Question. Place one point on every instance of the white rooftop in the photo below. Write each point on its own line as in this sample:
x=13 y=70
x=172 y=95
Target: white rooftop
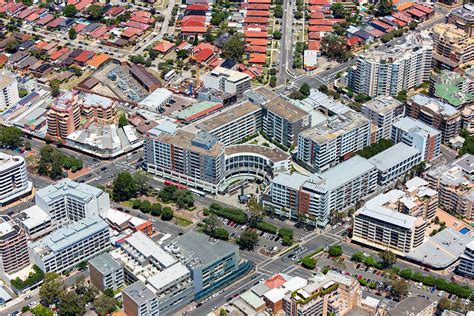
x=34 y=216
x=163 y=278
x=393 y=156
x=148 y=248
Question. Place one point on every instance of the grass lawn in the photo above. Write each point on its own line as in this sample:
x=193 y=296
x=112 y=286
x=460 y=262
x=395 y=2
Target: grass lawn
x=184 y=222
x=126 y=204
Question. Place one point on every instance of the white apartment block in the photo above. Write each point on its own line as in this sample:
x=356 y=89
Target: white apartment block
x=139 y=300
x=377 y=225
x=315 y=197
x=227 y=80
x=8 y=92
x=326 y=144
x=68 y=200
x=232 y=124
x=14 y=182
x=466 y=261
x=387 y=73
x=395 y=162
x=383 y=112
x=68 y=246
x=35 y=222
x=419 y=135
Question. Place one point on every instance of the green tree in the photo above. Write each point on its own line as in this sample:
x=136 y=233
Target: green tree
x=248 y=239
x=339 y=11
x=388 y=257
x=296 y=95
x=255 y=210
x=402 y=96
x=95 y=11
x=12 y=47
x=123 y=121
x=71 y=304
x=54 y=87
x=52 y=288
x=167 y=193
x=87 y=291
x=305 y=89
x=384 y=7
x=141 y=179
x=10 y=136
x=223 y=312
x=124 y=187
x=40 y=310
x=156 y=209
x=182 y=54
x=400 y=288
x=184 y=198
x=145 y=206
x=335 y=47
x=444 y=304
x=308 y=263
x=277 y=35
x=278 y=11
x=357 y=256
x=56 y=171
x=72 y=33
x=234 y=48
x=69 y=11
x=167 y=214
x=335 y=251
x=104 y=304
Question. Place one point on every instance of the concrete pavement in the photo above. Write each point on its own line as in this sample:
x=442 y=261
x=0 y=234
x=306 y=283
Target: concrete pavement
x=286 y=43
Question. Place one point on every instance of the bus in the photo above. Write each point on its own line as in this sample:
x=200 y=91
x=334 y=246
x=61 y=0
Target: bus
x=197 y=192
x=179 y=186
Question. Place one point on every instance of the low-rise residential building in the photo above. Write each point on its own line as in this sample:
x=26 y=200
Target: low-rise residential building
x=68 y=246
x=454 y=185
x=419 y=135
x=452 y=46
x=414 y=306
x=332 y=293
x=13 y=248
x=13 y=178
x=383 y=112
x=419 y=200
x=106 y=272
x=326 y=144
x=139 y=300
x=466 y=261
x=145 y=261
x=378 y=225
x=227 y=80
x=436 y=114
x=395 y=162
x=68 y=200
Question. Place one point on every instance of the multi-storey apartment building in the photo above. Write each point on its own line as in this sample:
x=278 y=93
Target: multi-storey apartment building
x=379 y=226
x=35 y=222
x=106 y=272
x=98 y=108
x=463 y=17
x=14 y=182
x=68 y=246
x=403 y=67
x=315 y=197
x=419 y=135
x=395 y=162
x=452 y=46
x=145 y=261
x=139 y=300
x=466 y=261
x=64 y=116
x=232 y=124
x=328 y=143
x=8 y=92
x=213 y=263
x=453 y=88
x=419 y=199
x=329 y=294
x=454 y=185
x=13 y=248
x=73 y=201
x=435 y=113
x=193 y=159
x=283 y=121
x=383 y=112
x=227 y=80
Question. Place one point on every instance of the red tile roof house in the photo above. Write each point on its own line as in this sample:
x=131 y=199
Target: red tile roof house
x=257 y=58
x=84 y=57
x=256 y=49
x=418 y=15
x=163 y=47
x=115 y=11
x=257 y=6
x=258 y=13
x=204 y=52
x=354 y=41
x=58 y=53
x=257 y=41
x=184 y=45
x=314 y=45
x=256 y=34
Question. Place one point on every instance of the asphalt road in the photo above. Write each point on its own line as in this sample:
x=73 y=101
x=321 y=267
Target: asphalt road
x=286 y=43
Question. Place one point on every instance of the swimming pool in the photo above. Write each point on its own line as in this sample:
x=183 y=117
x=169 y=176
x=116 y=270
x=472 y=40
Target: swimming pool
x=464 y=230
